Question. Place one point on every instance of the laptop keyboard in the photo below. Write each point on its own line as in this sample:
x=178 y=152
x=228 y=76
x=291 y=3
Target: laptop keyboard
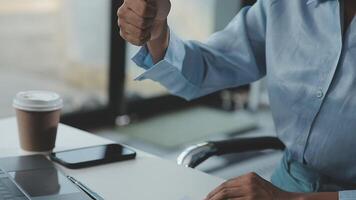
x=8 y=190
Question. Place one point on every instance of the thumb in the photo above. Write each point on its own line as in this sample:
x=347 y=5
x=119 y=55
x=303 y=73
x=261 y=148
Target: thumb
x=163 y=8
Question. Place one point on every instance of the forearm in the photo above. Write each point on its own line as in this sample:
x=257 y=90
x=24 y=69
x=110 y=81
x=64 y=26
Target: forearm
x=158 y=46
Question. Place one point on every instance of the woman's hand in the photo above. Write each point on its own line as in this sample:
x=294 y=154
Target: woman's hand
x=141 y=21
x=250 y=187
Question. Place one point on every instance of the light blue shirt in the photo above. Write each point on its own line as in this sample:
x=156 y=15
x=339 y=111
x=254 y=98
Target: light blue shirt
x=310 y=67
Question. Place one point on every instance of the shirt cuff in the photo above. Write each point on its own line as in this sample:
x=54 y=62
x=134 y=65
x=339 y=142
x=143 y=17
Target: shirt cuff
x=174 y=56
x=168 y=71
x=143 y=58
x=347 y=195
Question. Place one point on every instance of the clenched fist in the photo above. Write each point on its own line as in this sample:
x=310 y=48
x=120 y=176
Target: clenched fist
x=141 y=21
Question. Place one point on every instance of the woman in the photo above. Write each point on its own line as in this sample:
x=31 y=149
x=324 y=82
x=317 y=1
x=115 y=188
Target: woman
x=305 y=48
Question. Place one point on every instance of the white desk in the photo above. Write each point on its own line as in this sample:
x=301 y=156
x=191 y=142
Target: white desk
x=147 y=177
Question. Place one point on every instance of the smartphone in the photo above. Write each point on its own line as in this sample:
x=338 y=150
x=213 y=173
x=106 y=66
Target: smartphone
x=92 y=156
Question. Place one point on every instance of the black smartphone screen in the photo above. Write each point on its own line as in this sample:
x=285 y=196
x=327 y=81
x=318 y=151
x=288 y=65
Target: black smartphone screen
x=90 y=156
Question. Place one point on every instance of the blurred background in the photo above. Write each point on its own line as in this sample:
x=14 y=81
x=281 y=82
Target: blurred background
x=73 y=47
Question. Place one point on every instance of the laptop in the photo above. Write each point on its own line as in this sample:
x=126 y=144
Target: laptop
x=35 y=178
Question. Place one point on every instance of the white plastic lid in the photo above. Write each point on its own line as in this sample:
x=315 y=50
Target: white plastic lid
x=40 y=101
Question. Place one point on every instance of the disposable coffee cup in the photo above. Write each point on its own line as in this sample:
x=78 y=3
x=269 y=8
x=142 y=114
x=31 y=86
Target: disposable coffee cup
x=38 y=114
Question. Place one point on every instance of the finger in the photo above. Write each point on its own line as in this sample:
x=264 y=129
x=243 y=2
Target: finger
x=251 y=179
x=230 y=183
x=134 y=19
x=235 y=181
x=228 y=193
x=124 y=13
x=143 y=8
x=215 y=191
x=134 y=40
x=133 y=30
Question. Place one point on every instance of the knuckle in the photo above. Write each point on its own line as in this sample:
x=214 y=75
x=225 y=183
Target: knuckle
x=121 y=9
x=122 y=34
x=118 y=11
x=121 y=13
x=119 y=23
x=252 y=176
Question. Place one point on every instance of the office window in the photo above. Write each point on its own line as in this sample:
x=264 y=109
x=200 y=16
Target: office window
x=193 y=20
x=57 y=45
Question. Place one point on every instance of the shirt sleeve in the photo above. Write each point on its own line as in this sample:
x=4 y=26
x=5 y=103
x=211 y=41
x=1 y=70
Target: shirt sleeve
x=232 y=57
x=347 y=195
